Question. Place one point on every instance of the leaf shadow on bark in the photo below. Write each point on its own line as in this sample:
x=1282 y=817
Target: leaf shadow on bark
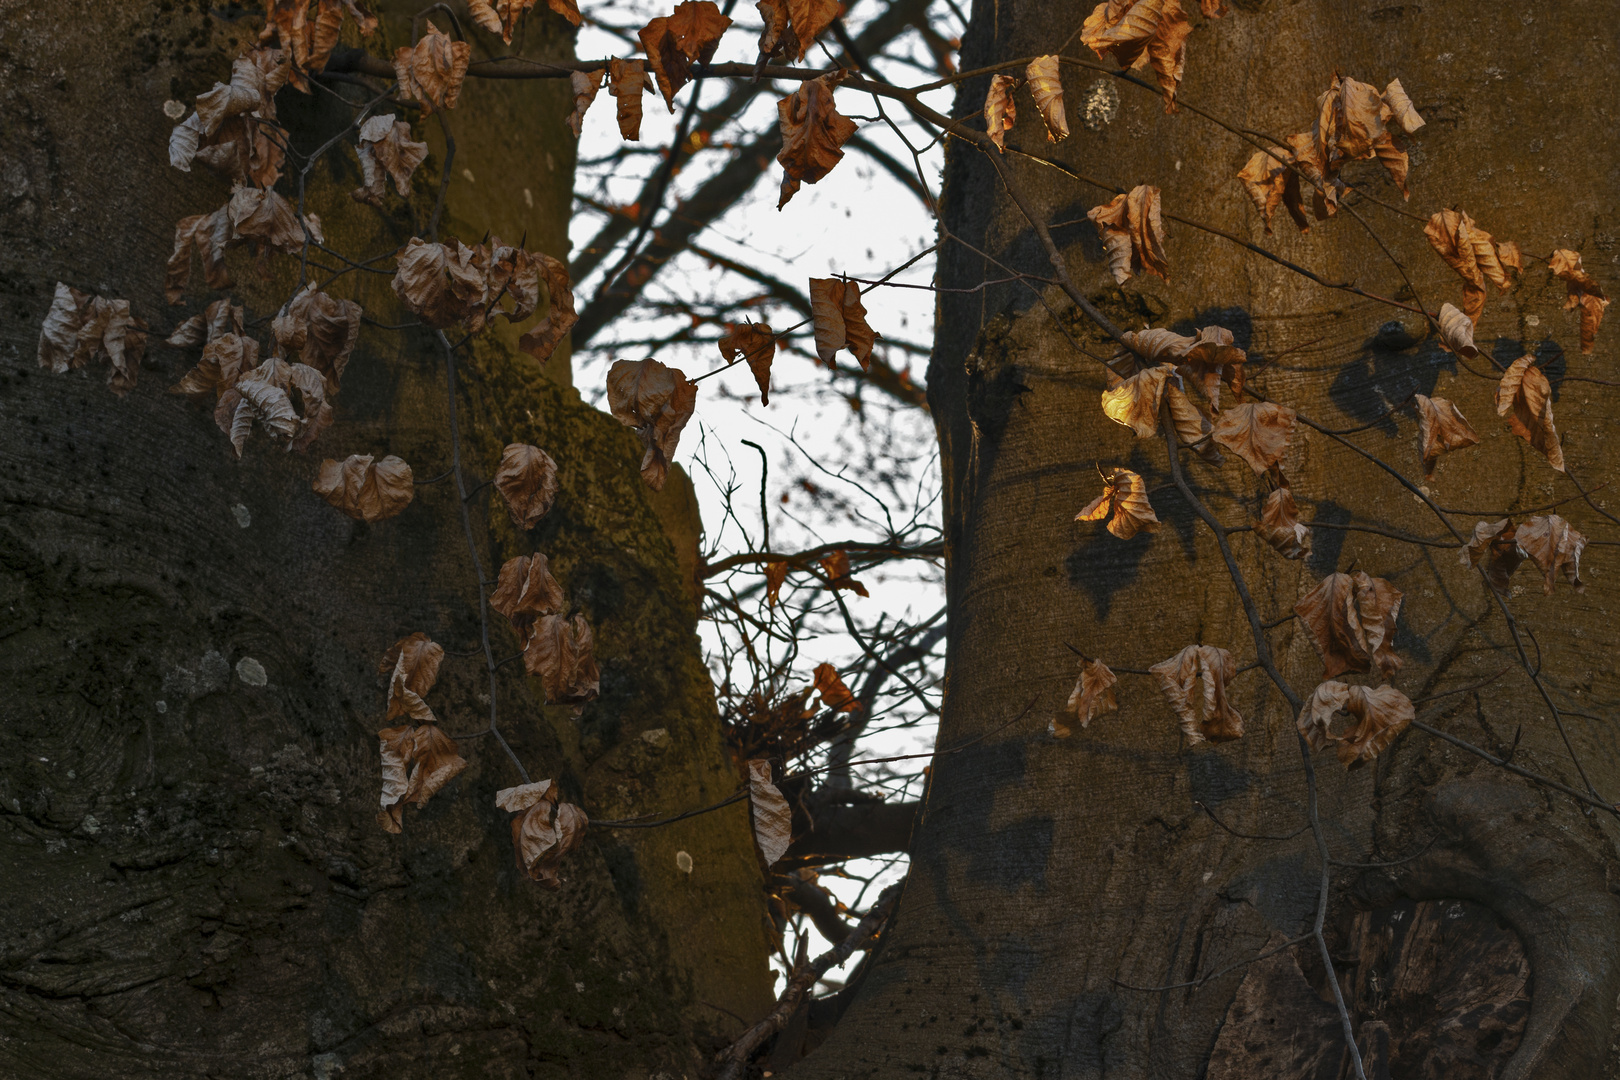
x=1393 y=365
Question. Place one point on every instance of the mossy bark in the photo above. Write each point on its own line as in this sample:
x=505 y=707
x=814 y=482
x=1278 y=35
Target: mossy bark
x=193 y=881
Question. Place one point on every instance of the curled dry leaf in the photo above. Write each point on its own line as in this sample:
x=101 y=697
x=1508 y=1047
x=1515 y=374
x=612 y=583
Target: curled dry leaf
x=452 y=283
x=527 y=480
x=836 y=566
x=1441 y=428
x=656 y=401
x=1280 y=526
x=81 y=327
x=1352 y=124
x=754 y=343
x=1493 y=548
x=321 y=330
x=386 y=153
x=840 y=322
x=1047 y=90
x=432 y=72
x=432 y=759
x=1257 y=432
x=585 y=85
x=1524 y=397
x=792 y=26
x=1125 y=496
x=233 y=129
x=1205 y=715
x=1132 y=234
x=1270 y=182
x=1584 y=293
x=541 y=340
x=412 y=666
x=772 y=817
x=1351 y=619
x=1555 y=547
x=218 y=318
x=287 y=400
x=777 y=36
x=366 y=489
x=544 y=831
x=225 y=360
x=776 y=573
x=813 y=134
x=1380 y=714
x=308 y=36
x=525 y=591
x=1203 y=361
x=674 y=42
x=562 y=652
x=501 y=16
x=1134 y=402
x=1093 y=695
x=1470 y=251
x=1000 y=113
x=206 y=235
x=834 y=694
x=627 y=81
x=1457 y=332
x=262 y=216
x=1401 y=109
x=1138 y=33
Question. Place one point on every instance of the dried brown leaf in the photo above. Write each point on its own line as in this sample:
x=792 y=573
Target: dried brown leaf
x=656 y=402
x=1400 y=108
x=81 y=327
x=1257 y=432
x=265 y=217
x=754 y=343
x=676 y=41
x=1000 y=113
x=397 y=745
x=224 y=361
x=1351 y=619
x=1471 y=252
x=1493 y=548
x=1280 y=526
x=1046 y=88
x=1125 y=496
x=386 y=153
x=208 y=235
x=839 y=319
x=1270 y=182
x=772 y=817
x=542 y=339
x=809 y=18
x=1555 y=547
x=365 y=489
x=1380 y=714
x=775 y=574
x=1457 y=332
x=1138 y=33
x=525 y=590
x=219 y=318
x=1092 y=696
x=412 y=666
x=834 y=694
x=502 y=16
x=321 y=329
x=432 y=760
x=527 y=480
x=1205 y=715
x=1134 y=402
x=1132 y=233
x=627 y=81
x=835 y=565
x=543 y=831
x=813 y=134
x=1441 y=428
x=1584 y=293
x=432 y=72
x=562 y=652
x=1524 y=397
x=585 y=85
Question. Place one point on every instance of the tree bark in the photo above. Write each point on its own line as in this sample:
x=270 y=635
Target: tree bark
x=1054 y=883
x=193 y=881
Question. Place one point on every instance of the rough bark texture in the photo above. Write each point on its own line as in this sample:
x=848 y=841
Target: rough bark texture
x=192 y=878
x=1047 y=875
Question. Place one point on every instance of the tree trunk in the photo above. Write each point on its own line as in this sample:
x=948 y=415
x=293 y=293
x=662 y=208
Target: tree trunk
x=1054 y=883
x=193 y=881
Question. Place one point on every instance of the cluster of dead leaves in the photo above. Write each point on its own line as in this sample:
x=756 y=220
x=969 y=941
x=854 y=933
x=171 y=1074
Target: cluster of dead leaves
x=233 y=129
x=1140 y=33
x=81 y=327
x=417 y=759
x=1499 y=547
x=559 y=649
x=431 y=71
x=452 y=283
x=544 y=829
x=1354 y=122
x=1001 y=111
x=1476 y=257
x=792 y=26
x=387 y=152
x=656 y=402
x=308 y=30
x=365 y=488
x=1132 y=233
x=1380 y=713
x=501 y=16
x=1351 y=621
x=253 y=214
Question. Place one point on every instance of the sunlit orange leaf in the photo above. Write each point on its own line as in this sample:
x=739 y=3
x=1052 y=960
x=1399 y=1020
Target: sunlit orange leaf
x=1000 y=113
x=527 y=480
x=1351 y=619
x=776 y=573
x=287 y=400
x=772 y=817
x=1470 y=251
x=585 y=85
x=366 y=489
x=1584 y=293
x=1093 y=695
x=840 y=320
x=1555 y=547
x=1134 y=402
x=1495 y=549
x=432 y=759
x=542 y=339
x=834 y=694
x=1125 y=496
x=412 y=666
x=754 y=343
x=562 y=652
x=1047 y=89
x=1257 y=432
x=225 y=360
x=674 y=42
x=813 y=133
x=1400 y=109
x=1213 y=9
x=1380 y=714
x=321 y=330
x=386 y=152
x=1270 y=182
x=1205 y=712
x=543 y=831
x=1524 y=397
x=1457 y=332
x=526 y=590
x=656 y=401
x=1132 y=233
x=206 y=235
x=433 y=71
x=265 y=217
x=81 y=327
x=1280 y=526
x=1137 y=33
x=627 y=81
x=1352 y=125
x=836 y=566
x=1441 y=428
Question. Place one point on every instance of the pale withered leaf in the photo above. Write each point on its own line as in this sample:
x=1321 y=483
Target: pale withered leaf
x=754 y=343
x=1471 y=252
x=813 y=134
x=541 y=340
x=675 y=42
x=543 y=832
x=1000 y=113
x=265 y=217
x=397 y=746
x=656 y=402
x=526 y=590
x=1441 y=428
x=839 y=319
x=585 y=85
x=1205 y=712
x=1584 y=293
x=81 y=327
x=1132 y=233
x=322 y=330
x=1493 y=548
x=387 y=152
x=208 y=235
x=527 y=480
x=287 y=400
x=442 y=283
x=1524 y=397
x=219 y=318
x=627 y=81
x=1280 y=525
x=433 y=71
x=432 y=759
x=1400 y=108
x=1046 y=88
x=366 y=489
x=772 y=817
x=562 y=652
x=1093 y=695
x=1137 y=33
x=834 y=694
x=412 y=666
x=1134 y=402
x=1257 y=432
x=835 y=565
x=1555 y=547
x=1457 y=332
x=224 y=361
x=1315 y=720
x=1125 y=496
x=1351 y=619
